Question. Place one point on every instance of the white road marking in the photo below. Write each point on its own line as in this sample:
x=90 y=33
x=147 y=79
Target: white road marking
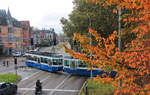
x=30 y=76
x=60 y=84
x=34 y=85
x=61 y=90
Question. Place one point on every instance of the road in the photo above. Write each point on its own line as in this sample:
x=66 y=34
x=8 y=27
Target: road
x=59 y=83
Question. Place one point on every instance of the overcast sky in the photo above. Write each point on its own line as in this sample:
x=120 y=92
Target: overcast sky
x=40 y=13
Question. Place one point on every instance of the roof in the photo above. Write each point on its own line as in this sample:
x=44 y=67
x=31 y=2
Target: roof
x=9 y=14
x=2 y=13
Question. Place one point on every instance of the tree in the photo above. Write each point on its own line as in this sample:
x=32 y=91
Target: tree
x=133 y=64
x=100 y=18
x=86 y=15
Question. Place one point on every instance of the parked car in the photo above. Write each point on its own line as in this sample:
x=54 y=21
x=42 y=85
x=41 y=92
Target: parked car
x=7 y=88
x=16 y=54
x=36 y=49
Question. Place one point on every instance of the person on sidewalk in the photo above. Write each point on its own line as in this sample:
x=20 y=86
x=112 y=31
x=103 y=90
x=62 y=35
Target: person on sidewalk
x=7 y=63
x=4 y=63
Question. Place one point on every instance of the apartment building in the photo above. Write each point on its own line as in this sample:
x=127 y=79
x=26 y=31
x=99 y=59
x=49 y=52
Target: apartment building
x=13 y=33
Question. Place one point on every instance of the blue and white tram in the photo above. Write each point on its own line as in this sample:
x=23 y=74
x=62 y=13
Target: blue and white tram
x=47 y=63
x=75 y=66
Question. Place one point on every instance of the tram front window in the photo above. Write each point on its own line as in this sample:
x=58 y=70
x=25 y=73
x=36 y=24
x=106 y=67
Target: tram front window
x=29 y=57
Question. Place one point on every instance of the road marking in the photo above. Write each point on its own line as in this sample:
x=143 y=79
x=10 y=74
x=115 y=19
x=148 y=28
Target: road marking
x=34 y=85
x=60 y=84
x=61 y=90
x=30 y=76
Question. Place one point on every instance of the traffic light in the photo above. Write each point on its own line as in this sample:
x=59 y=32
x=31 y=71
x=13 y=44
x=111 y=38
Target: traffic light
x=15 y=61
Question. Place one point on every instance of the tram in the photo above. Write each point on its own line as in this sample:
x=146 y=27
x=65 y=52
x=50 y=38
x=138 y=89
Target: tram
x=53 y=63
x=75 y=66
x=44 y=62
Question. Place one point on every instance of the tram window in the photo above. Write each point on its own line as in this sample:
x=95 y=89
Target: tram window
x=42 y=59
x=35 y=58
x=66 y=62
x=55 y=62
x=28 y=57
x=45 y=60
x=60 y=62
x=82 y=64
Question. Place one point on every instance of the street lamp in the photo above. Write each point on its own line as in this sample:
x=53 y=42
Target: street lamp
x=119 y=30
x=119 y=37
x=90 y=24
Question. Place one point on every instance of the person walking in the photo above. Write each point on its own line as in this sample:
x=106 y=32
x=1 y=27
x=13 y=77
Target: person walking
x=7 y=63
x=4 y=63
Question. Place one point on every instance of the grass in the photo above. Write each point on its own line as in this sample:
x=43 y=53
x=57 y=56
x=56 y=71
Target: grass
x=96 y=88
x=12 y=78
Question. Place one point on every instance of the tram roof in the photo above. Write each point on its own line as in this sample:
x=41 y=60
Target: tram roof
x=45 y=54
x=70 y=58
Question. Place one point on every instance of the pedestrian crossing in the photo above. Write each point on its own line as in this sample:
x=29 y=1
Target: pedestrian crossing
x=59 y=90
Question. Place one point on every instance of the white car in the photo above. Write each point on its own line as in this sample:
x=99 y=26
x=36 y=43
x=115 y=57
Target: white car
x=16 y=54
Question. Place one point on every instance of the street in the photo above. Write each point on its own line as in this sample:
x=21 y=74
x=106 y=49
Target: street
x=59 y=83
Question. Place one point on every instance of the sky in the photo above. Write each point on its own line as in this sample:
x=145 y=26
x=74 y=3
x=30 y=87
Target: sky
x=40 y=13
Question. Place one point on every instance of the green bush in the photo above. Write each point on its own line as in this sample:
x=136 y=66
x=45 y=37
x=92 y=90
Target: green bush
x=46 y=43
x=12 y=78
x=96 y=88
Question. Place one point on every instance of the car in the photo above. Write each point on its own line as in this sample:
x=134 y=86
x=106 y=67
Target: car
x=36 y=49
x=7 y=88
x=16 y=54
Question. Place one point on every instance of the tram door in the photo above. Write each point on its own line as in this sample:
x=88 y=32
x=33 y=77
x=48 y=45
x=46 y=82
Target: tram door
x=50 y=62
x=72 y=64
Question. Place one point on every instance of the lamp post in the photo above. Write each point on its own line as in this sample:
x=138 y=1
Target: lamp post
x=91 y=74
x=119 y=30
x=119 y=37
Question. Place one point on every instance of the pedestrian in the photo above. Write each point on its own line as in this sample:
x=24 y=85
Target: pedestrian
x=38 y=88
x=7 y=63
x=4 y=63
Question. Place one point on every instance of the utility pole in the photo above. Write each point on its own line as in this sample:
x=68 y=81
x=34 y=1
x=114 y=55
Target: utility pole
x=119 y=30
x=91 y=75
x=119 y=36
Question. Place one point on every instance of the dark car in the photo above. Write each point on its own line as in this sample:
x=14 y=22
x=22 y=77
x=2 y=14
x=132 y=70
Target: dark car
x=7 y=88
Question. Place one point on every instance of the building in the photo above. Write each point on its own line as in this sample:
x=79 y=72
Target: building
x=12 y=33
x=26 y=34
x=45 y=34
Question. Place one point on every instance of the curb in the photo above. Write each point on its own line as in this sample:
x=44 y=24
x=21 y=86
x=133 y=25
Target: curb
x=83 y=87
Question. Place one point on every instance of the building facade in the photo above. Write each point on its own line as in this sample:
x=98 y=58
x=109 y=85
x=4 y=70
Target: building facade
x=44 y=34
x=13 y=33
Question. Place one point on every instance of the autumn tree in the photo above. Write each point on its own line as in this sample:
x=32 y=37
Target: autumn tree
x=133 y=64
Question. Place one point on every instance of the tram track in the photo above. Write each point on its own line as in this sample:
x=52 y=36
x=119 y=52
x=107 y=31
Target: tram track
x=52 y=84
x=59 y=84
x=48 y=80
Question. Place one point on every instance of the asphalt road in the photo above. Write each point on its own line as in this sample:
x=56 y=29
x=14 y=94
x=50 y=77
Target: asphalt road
x=59 y=83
